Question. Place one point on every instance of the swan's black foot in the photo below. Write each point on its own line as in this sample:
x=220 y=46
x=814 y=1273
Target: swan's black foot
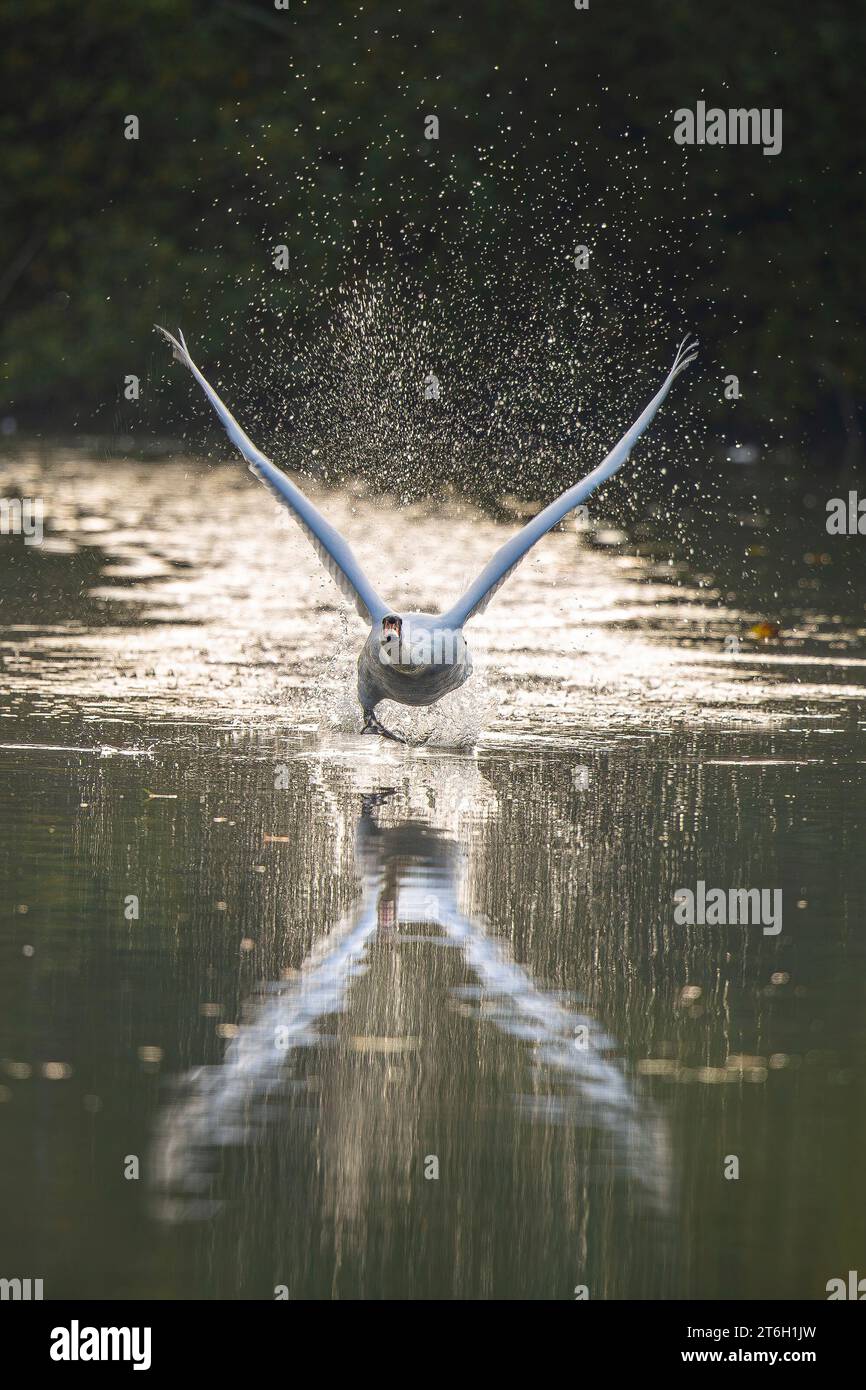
x=372 y=726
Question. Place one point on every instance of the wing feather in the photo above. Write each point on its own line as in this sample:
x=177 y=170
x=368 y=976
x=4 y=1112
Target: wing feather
x=332 y=550
x=508 y=557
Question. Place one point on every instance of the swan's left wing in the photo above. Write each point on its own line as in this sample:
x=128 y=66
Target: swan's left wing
x=506 y=559
x=332 y=550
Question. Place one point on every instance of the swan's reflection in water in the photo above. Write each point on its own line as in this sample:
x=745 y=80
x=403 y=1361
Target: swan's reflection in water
x=406 y=1007
x=410 y=877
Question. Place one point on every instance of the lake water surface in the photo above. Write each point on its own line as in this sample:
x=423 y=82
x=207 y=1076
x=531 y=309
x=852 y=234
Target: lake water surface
x=379 y=1021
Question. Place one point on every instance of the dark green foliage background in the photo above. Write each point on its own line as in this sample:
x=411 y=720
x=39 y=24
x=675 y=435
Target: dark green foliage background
x=305 y=126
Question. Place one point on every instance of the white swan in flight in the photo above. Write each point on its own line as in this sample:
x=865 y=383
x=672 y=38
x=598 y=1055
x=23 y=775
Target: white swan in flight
x=416 y=658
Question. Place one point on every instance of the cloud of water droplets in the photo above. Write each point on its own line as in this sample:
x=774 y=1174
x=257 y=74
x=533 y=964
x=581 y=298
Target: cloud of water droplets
x=467 y=345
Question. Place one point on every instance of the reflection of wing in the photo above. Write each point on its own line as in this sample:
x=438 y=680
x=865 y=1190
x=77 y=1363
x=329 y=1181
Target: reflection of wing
x=494 y=575
x=222 y=1103
x=329 y=545
x=573 y=1045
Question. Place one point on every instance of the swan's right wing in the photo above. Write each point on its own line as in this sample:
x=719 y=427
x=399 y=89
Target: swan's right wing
x=508 y=557
x=332 y=550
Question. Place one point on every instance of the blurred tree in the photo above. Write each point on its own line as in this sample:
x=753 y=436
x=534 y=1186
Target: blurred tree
x=304 y=127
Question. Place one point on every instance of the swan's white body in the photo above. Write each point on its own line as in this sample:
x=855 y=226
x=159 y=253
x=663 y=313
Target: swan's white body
x=416 y=658
x=431 y=659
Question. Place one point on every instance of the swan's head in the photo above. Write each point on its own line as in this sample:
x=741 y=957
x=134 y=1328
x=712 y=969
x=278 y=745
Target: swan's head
x=391 y=643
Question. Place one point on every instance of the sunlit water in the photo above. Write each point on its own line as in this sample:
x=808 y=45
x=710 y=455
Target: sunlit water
x=288 y=974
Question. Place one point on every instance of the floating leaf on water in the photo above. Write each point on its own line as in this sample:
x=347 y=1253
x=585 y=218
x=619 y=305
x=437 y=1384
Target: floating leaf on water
x=763 y=631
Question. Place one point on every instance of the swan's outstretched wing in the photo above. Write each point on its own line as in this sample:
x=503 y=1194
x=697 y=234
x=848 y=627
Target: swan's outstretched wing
x=506 y=559
x=332 y=550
